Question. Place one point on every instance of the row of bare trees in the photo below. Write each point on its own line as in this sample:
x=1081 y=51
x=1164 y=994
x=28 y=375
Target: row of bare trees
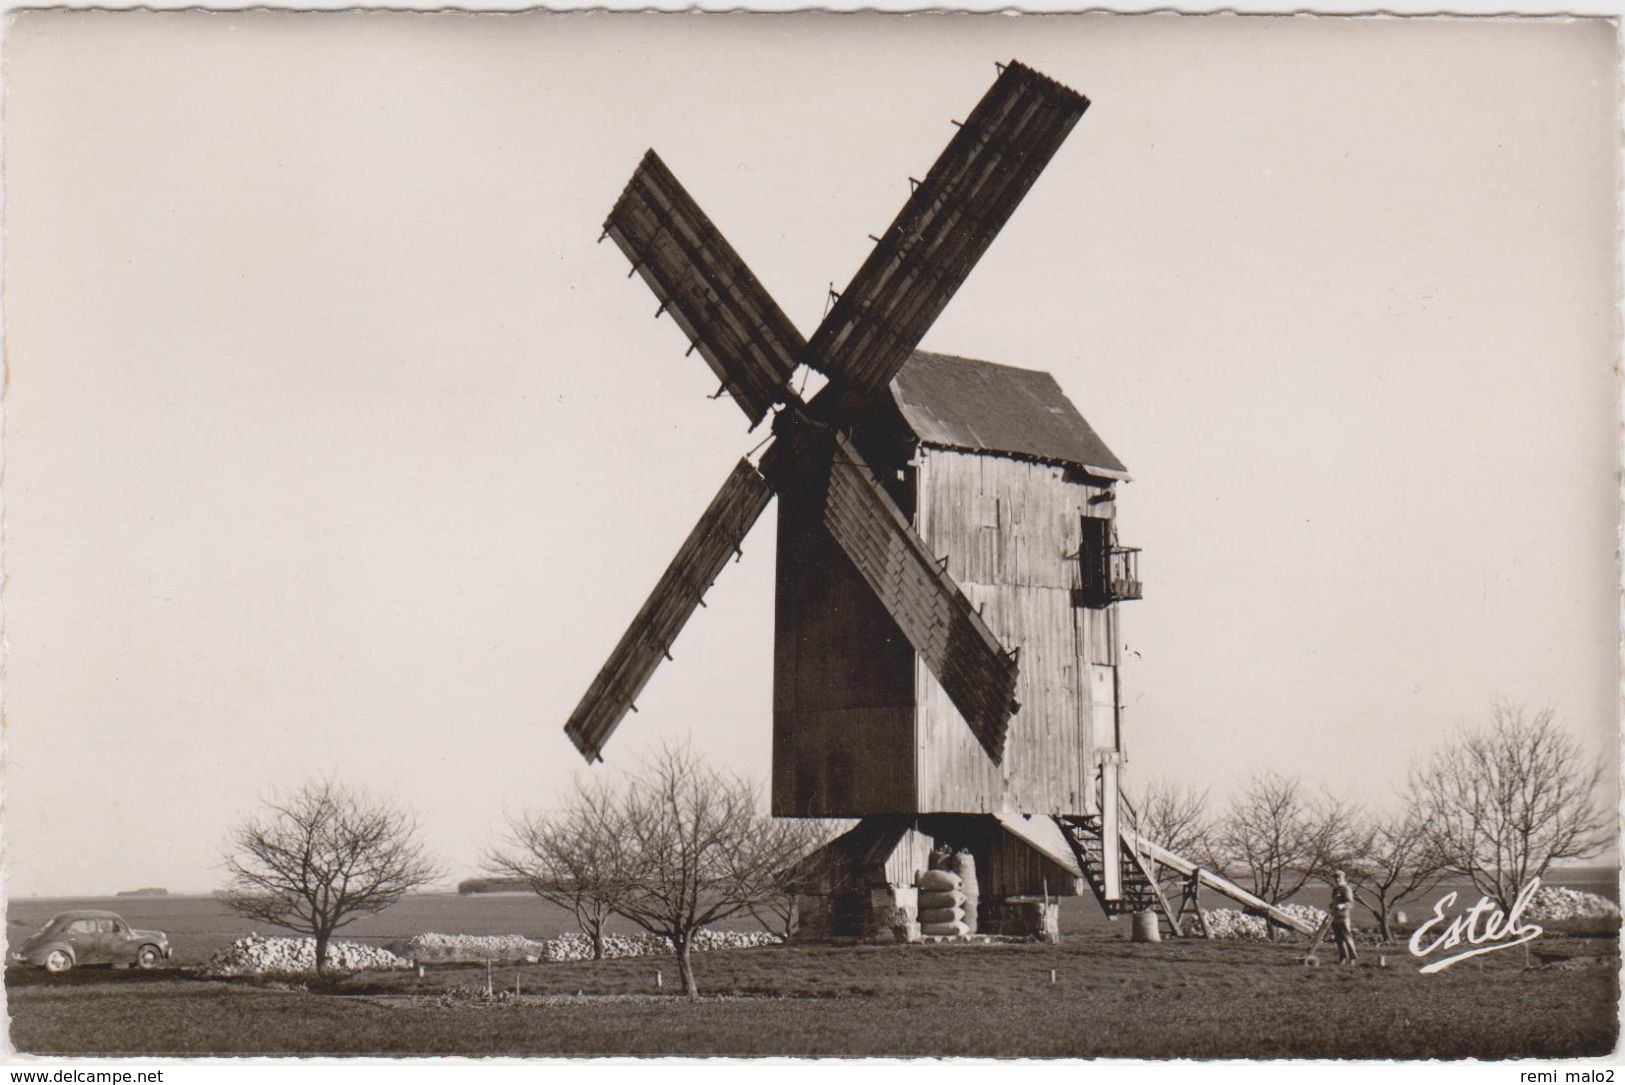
x=681 y=845
x=673 y=849
x=1497 y=806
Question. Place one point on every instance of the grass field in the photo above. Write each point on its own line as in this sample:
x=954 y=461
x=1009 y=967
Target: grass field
x=1109 y=998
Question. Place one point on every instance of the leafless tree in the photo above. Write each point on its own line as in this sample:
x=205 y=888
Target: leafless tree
x=1394 y=859
x=1174 y=815
x=569 y=857
x=796 y=839
x=694 y=848
x=1273 y=838
x=321 y=857
x=1506 y=800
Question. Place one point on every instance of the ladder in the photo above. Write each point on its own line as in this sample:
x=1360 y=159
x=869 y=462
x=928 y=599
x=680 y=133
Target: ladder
x=1138 y=860
x=1138 y=888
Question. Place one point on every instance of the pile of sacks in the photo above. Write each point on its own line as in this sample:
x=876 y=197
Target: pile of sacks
x=256 y=955
x=945 y=907
x=573 y=946
x=1234 y=925
x=1552 y=902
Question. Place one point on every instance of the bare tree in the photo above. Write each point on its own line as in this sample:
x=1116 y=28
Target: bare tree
x=1395 y=859
x=570 y=858
x=1172 y=814
x=796 y=839
x=1273 y=838
x=694 y=848
x=1508 y=799
x=322 y=857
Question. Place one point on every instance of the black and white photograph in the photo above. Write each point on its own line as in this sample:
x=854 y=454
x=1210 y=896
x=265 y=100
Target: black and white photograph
x=777 y=536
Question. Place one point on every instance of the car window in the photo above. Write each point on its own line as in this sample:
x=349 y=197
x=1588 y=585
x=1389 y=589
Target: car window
x=106 y=926
x=82 y=926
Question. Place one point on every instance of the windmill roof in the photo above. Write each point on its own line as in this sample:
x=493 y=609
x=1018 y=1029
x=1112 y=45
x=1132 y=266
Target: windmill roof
x=979 y=406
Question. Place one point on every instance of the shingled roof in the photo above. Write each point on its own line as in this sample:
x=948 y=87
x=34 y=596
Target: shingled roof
x=983 y=407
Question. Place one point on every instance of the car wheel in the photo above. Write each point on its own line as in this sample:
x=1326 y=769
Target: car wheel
x=58 y=960
x=148 y=957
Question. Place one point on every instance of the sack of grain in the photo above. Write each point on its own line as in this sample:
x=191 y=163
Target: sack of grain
x=942 y=898
x=958 y=930
x=937 y=880
x=964 y=864
x=941 y=915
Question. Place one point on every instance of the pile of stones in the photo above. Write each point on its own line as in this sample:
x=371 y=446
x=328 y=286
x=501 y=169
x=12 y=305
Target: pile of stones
x=1234 y=925
x=573 y=946
x=1552 y=902
x=257 y=955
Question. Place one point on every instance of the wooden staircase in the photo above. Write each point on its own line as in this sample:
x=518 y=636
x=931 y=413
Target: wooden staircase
x=1138 y=889
x=1138 y=860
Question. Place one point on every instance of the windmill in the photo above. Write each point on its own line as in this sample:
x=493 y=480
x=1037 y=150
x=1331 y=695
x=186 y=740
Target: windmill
x=948 y=575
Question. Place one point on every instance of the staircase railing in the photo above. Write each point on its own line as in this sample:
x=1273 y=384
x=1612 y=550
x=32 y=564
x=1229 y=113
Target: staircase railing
x=1219 y=884
x=1143 y=855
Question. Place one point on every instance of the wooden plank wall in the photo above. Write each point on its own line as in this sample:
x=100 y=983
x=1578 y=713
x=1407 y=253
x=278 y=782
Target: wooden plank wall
x=1016 y=869
x=843 y=683
x=910 y=859
x=1010 y=530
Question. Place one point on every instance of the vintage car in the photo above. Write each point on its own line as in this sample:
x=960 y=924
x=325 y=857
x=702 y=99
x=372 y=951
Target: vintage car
x=91 y=937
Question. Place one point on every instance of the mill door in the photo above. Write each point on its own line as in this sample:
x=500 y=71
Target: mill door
x=1102 y=707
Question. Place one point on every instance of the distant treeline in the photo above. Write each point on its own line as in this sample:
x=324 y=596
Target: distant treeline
x=492 y=885
x=147 y=891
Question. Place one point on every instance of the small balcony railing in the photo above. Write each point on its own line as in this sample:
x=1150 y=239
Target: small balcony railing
x=1107 y=573
x=1123 y=573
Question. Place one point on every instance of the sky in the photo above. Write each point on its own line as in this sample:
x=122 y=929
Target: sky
x=335 y=444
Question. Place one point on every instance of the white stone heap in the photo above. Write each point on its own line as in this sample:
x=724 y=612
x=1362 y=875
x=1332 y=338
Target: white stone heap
x=1234 y=925
x=1553 y=902
x=257 y=955
x=570 y=947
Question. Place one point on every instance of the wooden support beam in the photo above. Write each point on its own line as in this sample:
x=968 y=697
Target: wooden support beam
x=1148 y=871
x=1214 y=881
x=1194 y=888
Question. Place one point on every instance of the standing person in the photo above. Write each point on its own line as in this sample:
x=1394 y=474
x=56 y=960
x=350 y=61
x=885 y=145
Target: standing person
x=1342 y=920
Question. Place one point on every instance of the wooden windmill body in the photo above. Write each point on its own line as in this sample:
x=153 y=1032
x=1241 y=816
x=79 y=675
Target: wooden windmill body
x=1002 y=479
x=946 y=644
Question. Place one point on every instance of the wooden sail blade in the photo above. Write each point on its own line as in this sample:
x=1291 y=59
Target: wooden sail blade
x=648 y=640
x=701 y=281
x=932 y=612
x=947 y=224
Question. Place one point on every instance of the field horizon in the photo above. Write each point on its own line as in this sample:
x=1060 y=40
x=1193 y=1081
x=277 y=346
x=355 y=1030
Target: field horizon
x=199 y=925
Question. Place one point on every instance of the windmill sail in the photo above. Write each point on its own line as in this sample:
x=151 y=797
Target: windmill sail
x=648 y=640
x=726 y=313
x=944 y=228
x=928 y=607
